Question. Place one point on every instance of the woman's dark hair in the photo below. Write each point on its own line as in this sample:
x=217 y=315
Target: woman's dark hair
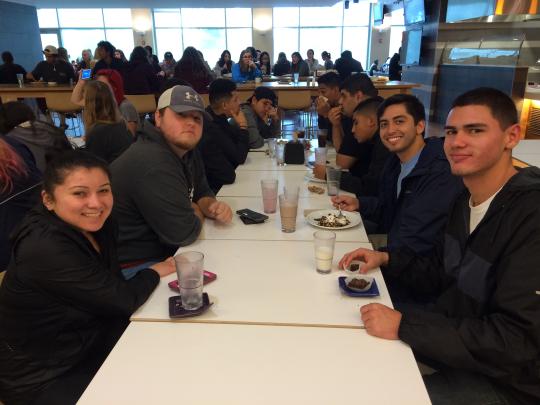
x=282 y=57
x=122 y=55
x=190 y=64
x=267 y=64
x=325 y=54
x=62 y=164
x=108 y=47
x=253 y=52
x=139 y=55
x=297 y=54
x=221 y=61
x=14 y=113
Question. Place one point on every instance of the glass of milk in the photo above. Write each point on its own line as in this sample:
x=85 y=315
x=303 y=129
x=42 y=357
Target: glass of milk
x=324 y=250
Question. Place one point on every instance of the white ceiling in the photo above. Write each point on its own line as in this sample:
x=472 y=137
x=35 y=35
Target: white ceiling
x=174 y=3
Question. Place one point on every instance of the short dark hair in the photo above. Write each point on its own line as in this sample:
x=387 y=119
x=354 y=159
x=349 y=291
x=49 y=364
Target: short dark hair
x=414 y=107
x=220 y=90
x=330 y=79
x=61 y=164
x=107 y=46
x=369 y=106
x=359 y=82
x=14 y=113
x=7 y=57
x=500 y=105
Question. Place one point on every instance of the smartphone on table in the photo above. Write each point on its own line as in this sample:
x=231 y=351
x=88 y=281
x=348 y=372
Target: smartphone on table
x=208 y=277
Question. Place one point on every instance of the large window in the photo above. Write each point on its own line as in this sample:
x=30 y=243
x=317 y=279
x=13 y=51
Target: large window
x=211 y=30
x=76 y=34
x=332 y=29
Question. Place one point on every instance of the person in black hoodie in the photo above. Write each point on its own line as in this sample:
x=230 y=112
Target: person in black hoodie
x=63 y=302
x=482 y=335
x=223 y=146
x=139 y=75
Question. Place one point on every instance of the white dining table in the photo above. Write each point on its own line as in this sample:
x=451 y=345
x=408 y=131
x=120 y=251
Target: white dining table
x=192 y=364
x=271 y=228
x=261 y=282
x=277 y=332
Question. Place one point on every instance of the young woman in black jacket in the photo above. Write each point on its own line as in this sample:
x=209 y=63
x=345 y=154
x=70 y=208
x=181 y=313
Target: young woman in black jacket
x=63 y=302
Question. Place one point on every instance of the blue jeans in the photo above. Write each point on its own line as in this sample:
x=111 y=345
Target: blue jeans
x=458 y=387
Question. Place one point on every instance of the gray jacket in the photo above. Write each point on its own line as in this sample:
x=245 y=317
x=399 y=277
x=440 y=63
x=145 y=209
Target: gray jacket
x=257 y=128
x=153 y=190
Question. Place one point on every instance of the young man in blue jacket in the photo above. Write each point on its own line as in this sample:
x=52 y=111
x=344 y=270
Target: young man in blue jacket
x=416 y=188
x=482 y=334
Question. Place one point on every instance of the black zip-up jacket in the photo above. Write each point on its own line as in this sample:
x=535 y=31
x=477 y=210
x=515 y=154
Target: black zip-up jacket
x=414 y=218
x=223 y=147
x=58 y=301
x=487 y=315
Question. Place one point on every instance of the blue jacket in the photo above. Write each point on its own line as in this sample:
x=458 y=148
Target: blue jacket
x=416 y=216
x=238 y=76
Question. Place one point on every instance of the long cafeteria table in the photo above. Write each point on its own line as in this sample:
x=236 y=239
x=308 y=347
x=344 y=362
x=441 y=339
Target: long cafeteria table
x=168 y=363
x=277 y=332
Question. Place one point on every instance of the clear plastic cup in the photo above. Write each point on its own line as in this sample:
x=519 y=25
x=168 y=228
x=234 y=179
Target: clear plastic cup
x=189 y=268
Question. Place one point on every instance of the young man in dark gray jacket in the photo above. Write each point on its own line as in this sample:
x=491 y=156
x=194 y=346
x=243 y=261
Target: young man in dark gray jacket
x=159 y=184
x=482 y=334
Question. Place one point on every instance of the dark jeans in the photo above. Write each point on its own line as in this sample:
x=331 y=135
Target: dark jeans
x=457 y=387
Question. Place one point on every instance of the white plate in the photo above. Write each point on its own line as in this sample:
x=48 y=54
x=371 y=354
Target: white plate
x=310 y=177
x=352 y=216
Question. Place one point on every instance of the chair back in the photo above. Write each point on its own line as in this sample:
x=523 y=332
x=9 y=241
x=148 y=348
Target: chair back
x=295 y=100
x=143 y=103
x=61 y=103
x=205 y=99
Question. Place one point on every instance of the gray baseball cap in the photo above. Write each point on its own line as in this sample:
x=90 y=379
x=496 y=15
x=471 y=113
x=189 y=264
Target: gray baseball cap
x=181 y=99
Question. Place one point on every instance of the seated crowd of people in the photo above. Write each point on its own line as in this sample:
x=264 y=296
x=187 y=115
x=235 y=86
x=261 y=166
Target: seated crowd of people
x=87 y=232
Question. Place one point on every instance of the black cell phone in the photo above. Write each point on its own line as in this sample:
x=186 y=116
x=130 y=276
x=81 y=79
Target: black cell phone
x=86 y=74
x=251 y=217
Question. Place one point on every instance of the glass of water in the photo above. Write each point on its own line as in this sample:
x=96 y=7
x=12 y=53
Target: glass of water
x=189 y=268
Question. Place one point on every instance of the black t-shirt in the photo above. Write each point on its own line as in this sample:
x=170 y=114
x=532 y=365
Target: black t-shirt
x=116 y=64
x=9 y=71
x=351 y=147
x=59 y=72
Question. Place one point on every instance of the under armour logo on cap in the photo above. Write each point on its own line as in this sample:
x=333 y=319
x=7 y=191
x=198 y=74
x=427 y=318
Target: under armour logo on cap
x=190 y=96
x=181 y=99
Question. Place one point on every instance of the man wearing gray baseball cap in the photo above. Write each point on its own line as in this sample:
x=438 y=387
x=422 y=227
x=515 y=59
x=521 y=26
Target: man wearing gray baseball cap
x=160 y=188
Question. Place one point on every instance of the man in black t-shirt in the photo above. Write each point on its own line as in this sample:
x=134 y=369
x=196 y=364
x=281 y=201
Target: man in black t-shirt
x=10 y=70
x=351 y=155
x=105 y=53
x=52 y=69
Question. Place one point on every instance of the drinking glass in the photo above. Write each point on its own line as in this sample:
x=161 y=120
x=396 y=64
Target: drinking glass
x=324 y=242
x=189 y=268
x=269 y=189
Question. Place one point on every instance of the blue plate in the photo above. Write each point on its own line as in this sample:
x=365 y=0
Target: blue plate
x=372 y=292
